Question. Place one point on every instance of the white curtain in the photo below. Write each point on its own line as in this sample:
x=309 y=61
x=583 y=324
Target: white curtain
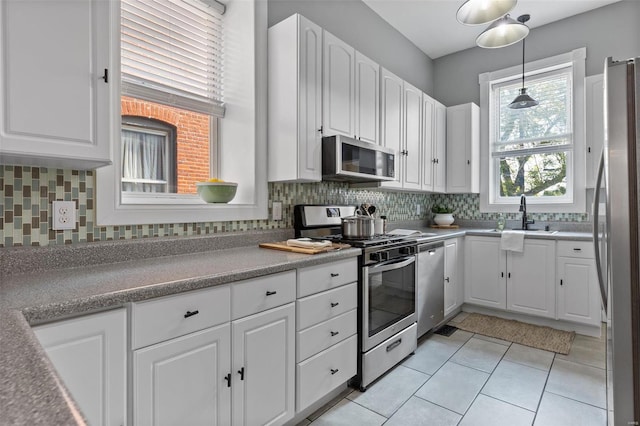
x=143 y=159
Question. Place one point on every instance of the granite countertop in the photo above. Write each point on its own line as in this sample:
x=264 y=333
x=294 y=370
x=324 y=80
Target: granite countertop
x=30 y=390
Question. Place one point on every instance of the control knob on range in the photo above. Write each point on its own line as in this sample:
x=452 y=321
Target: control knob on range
x=379 y=256
x=408 y=250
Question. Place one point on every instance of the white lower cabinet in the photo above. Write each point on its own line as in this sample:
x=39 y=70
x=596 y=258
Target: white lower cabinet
x=453 y=275
x=89 y=354
x=184 y=380
x=485 y=283
x=515 y=281
x=326 y=324
x=579 y=298
x=263 y=367
x=531 y=279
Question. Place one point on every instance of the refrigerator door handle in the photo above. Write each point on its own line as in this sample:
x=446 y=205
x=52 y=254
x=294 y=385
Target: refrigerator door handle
x=596 y=233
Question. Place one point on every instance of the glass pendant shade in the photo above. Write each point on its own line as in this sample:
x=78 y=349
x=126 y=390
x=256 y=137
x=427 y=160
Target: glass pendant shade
x=477 y=12
x=523 y=100
x=503 y=32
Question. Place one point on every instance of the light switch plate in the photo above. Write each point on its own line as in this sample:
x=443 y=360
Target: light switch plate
x=64 y=215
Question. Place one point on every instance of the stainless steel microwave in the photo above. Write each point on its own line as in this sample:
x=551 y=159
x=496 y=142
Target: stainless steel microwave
x=350 y=160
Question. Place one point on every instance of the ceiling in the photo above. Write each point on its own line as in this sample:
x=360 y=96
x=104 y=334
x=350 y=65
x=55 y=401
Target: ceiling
x=432 y=26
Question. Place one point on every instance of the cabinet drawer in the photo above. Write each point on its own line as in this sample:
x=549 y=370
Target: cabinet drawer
x=172 y=316
x=315 y=279
x=259 y=294
x=583 y=249
x=322 y=373
x=320 y=307
x=326 y=334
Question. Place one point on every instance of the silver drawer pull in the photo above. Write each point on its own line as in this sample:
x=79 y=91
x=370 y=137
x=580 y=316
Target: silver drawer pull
x=271 y=293
x=190 y=313
x=334 y=274
x=334 y=304
x=334 y=333
x=394 y=345
x=334 y=371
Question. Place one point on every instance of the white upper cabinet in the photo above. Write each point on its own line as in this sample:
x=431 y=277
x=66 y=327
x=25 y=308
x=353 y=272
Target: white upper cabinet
x=350 y=92
x=594 y=99
x=463 y=145
x=434 y=116
x=295 y=101
x=392 y=125
x=367 y=99
x=53 y=97
x=338 y=92
x=412 y=136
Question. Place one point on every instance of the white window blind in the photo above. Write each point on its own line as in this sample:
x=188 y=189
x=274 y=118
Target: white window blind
x=172 y=53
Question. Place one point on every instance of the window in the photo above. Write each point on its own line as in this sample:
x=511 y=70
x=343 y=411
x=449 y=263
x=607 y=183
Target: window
x=538 y=151
x=162 y=81
x=148 y=155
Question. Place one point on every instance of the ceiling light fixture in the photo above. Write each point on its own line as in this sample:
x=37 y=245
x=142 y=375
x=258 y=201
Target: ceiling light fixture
x=503 y=32
x=523 y=100
x=477 y=12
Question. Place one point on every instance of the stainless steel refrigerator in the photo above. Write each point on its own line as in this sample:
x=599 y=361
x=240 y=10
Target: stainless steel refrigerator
x=617 y=237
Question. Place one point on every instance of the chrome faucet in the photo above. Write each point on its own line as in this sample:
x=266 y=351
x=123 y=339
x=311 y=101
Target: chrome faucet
x=523 y=209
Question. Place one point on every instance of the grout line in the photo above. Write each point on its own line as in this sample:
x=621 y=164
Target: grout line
x=576 y=400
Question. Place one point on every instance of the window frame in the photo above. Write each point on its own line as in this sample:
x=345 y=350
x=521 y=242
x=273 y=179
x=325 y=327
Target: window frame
x=490 y=201
x=245 y=123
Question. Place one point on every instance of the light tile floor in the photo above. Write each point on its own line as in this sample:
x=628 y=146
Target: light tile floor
x=469 y=379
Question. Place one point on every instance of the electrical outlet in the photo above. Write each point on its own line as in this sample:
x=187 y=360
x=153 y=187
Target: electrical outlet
x=64 y=215
x=276 y=210
x=417 y=208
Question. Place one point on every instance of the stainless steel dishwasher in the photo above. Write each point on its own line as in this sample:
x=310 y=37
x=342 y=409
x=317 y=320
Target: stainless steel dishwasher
x=430 y=289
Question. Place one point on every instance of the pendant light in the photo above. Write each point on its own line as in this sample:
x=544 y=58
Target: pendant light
x=503 y=32
x=477 y=12
x=523 y=100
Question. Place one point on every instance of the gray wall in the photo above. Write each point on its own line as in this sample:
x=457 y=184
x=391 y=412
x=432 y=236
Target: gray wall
x=356 y=24
x=612 y=30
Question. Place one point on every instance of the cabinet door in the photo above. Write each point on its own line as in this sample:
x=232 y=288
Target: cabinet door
x=412 y=136
x=451 y=284
x=462 y=148
x=89 y=354
x=594 y=106
x=485 y=282
x=440 y=148
x=55 y=104
x=264 y=367
x=338 y=92
x=428 y=141
x=295 y=104
x=367 y=99
x=531 y=279
x=578 y=292
x=183 y=381
x=391 y=121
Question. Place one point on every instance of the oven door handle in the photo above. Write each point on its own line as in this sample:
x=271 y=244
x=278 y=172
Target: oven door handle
x=391 y=265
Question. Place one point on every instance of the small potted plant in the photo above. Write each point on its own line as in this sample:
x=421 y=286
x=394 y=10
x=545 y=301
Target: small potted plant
x=443 y=215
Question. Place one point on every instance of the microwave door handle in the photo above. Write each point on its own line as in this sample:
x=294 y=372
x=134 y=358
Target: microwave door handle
x=390 y=266
x=596 y=233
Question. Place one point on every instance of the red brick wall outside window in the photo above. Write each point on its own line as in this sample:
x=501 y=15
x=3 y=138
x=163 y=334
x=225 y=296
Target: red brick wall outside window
x=192 y=134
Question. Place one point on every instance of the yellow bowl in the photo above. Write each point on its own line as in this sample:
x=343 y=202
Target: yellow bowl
x=217 y=192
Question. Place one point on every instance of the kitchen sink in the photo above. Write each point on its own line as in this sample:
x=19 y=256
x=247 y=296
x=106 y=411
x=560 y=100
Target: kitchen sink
x=527 y=231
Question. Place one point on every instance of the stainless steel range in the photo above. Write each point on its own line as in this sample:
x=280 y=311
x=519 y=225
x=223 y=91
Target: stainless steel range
x=386 y=289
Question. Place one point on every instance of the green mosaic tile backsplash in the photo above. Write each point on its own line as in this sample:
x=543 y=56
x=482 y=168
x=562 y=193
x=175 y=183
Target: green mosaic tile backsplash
x=26 y=194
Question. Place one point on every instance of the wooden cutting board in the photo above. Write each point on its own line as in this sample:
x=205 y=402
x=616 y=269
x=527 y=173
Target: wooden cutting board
x=282 y=245
x=445 y=226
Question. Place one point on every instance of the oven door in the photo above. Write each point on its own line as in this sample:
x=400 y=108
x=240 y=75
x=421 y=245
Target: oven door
x=388 y=299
